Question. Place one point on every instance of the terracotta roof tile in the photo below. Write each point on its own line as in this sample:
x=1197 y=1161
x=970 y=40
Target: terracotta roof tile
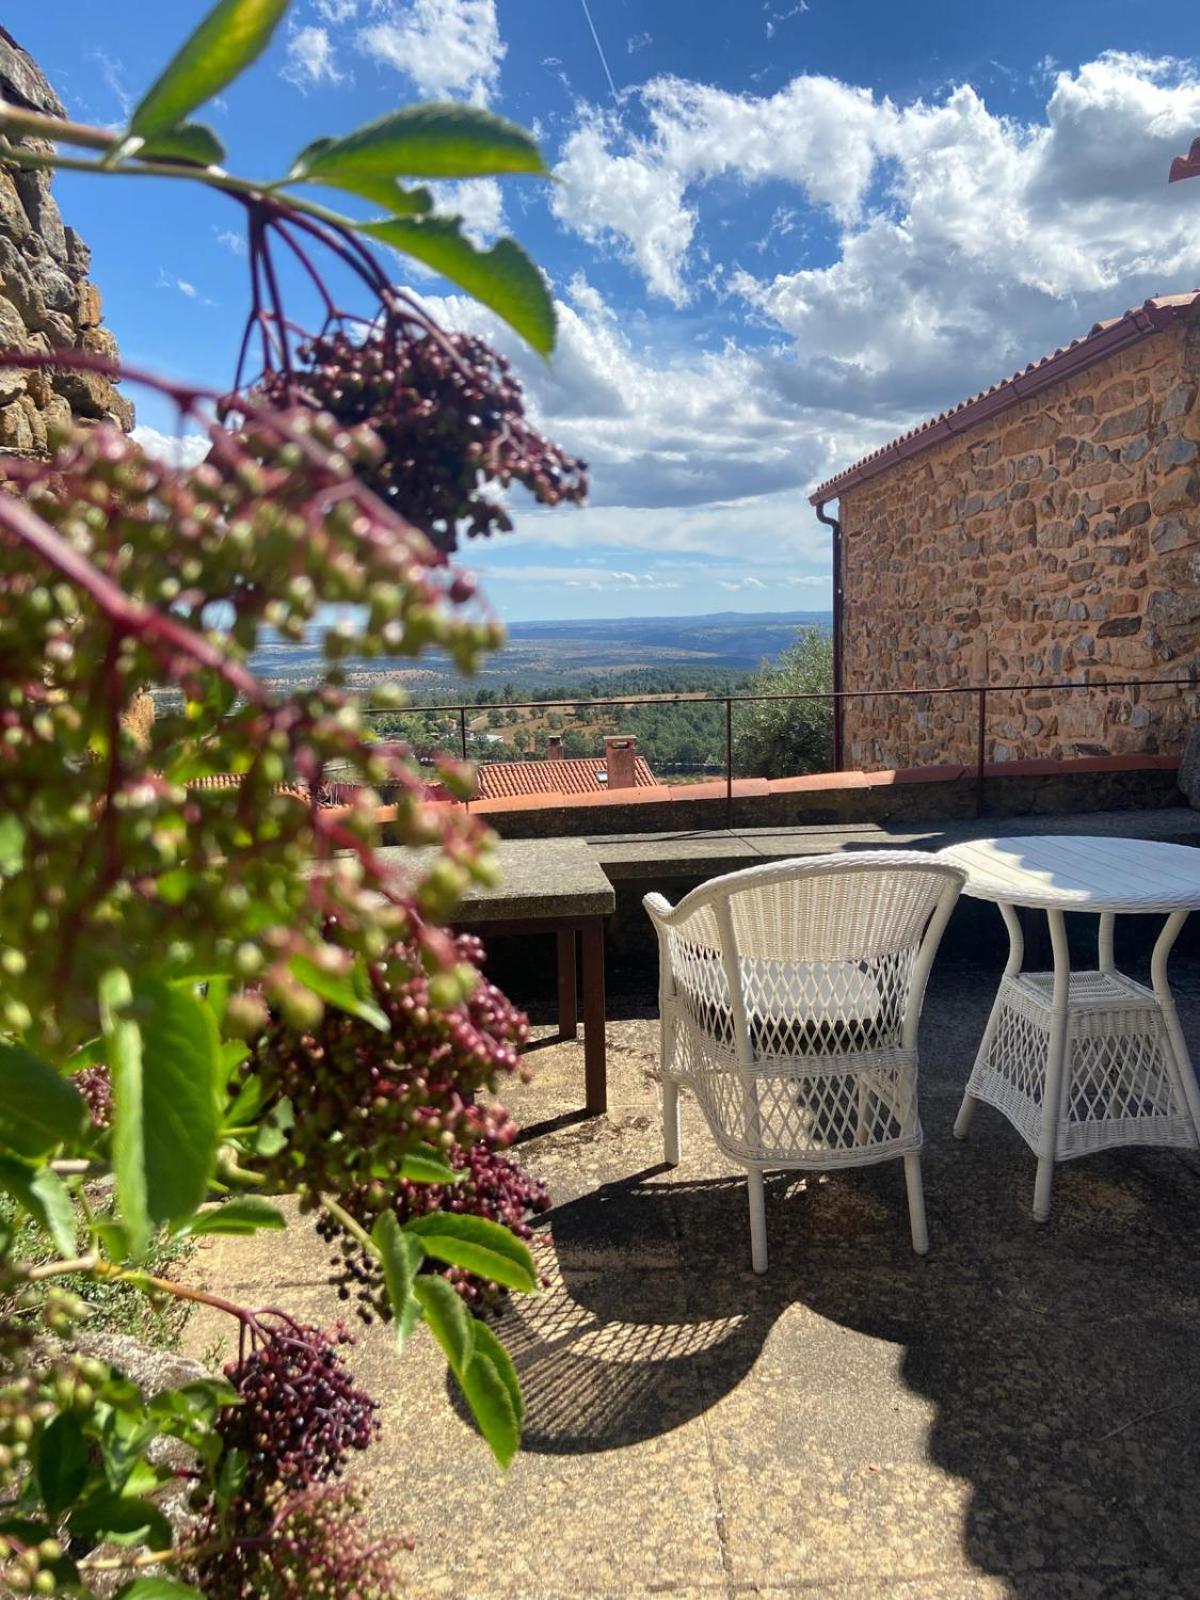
x=1103 y=339
x=504 y=780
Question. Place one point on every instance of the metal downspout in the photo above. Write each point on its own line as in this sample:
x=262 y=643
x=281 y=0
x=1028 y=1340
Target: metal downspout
x=835 y=525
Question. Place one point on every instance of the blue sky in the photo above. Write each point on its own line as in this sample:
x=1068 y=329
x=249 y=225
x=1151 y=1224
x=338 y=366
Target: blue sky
x=783 y=231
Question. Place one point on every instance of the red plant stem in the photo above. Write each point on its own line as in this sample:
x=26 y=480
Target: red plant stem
x=305 y=260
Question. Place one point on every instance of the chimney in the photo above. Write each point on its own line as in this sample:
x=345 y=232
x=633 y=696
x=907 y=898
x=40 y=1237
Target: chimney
x=554 y=747
x=620 y=761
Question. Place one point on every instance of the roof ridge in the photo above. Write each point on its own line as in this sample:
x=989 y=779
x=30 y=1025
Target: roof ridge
x=1102 y=339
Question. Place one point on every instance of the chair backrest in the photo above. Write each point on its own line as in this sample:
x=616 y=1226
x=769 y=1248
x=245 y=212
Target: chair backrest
x=826 y=954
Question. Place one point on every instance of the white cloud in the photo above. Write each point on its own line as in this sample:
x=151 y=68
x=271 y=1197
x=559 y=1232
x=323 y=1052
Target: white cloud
x=311 y=58
x=638 y=41
x=968 y=242
x=446 y=47
x=178 y=450
x=336 y=11
x=233 y=241
x=113 y=73
x=478 y=201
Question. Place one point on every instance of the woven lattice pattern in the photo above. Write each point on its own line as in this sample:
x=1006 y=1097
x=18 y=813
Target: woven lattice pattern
x=786 y=995
x=1121 y=1084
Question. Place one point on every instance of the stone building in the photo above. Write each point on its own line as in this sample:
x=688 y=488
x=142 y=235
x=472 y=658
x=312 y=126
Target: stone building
x=47 y=301
x=1046 y=531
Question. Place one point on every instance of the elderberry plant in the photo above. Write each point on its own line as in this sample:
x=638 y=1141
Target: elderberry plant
x=190 y=940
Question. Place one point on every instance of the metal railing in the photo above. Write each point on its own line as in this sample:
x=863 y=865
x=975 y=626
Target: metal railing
x=980 y=692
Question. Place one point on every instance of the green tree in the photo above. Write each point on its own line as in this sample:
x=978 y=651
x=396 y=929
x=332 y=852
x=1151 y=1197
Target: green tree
x=785 y=738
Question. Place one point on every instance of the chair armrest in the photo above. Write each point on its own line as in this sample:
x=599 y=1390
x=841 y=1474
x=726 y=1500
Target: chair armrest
x=658 y=906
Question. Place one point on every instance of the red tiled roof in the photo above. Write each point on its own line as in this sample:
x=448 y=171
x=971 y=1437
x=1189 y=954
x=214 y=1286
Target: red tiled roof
x=1187 y=166
x=1103 y=339
x=503 y=780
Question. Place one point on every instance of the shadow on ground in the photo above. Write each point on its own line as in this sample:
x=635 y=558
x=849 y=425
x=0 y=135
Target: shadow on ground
x=1049 y=1374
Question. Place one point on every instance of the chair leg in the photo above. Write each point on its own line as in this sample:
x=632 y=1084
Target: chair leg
x=758 y=1220
x=966 y=1111
x=670 y=1113
x=916 y=1203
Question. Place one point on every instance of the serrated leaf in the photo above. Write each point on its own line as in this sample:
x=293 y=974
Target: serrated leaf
x=503 y=278
x=400 y=1255
x=232 y=35
x=488 y=1383
x=189 y=142
x=339 y=990
x=39 y=1109
x=438 y=140
x=485 y=1248
x=43 y=1195
x=246 y=1214
x=164 y=1053
x=419 y=1166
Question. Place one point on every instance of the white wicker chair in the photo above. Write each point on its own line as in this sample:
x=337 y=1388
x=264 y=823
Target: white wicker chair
x=790 y=996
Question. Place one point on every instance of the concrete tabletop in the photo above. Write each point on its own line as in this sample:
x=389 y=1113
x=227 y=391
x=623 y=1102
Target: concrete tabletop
x=537 y=878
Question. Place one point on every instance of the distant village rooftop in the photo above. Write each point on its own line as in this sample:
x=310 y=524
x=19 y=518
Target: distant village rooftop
x=620 y=768
x=1104 y=339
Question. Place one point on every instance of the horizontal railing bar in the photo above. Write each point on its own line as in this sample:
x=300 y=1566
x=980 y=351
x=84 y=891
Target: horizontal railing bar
x=810 y=694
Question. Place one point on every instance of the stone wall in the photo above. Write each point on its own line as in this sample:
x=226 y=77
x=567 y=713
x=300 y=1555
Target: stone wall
x=47 y=301
x=1058 y=541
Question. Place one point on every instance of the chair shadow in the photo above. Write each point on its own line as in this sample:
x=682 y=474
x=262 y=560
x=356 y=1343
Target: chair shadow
x=1062 y=1363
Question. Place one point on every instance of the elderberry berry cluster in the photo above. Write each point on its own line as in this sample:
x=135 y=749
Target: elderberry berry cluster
x=301 y=1413
x=122 y=842
x=493 y=1186
x=370 y=1097
x=450 y=417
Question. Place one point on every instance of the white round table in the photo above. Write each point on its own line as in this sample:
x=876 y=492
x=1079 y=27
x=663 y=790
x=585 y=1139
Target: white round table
x=1083 y=1061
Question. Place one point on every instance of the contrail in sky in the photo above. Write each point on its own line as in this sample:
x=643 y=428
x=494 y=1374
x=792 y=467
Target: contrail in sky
x=599 y=49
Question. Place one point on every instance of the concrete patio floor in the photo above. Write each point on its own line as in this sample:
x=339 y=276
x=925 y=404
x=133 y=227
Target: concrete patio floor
x=1015 y=1415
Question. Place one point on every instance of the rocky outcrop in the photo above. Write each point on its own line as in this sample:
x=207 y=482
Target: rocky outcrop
x=47 y=301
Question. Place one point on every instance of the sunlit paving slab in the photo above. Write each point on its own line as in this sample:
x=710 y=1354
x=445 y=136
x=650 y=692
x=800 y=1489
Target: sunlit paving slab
x=1015 y=1415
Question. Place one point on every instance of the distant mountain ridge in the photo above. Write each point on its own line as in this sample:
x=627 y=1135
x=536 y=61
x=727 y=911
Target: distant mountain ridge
x=540 y=655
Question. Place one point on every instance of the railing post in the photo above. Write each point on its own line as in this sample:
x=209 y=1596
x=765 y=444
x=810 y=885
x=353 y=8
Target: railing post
x=980 y=751
x=728 y=761
x=462 y=730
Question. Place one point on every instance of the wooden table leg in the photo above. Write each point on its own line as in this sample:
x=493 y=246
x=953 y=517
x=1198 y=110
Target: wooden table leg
x=568 y=1009
x=595 y=1069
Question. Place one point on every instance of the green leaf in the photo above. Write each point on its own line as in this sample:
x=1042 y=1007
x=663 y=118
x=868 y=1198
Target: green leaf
x=182 y=1072
x=246 y=1214
x=123 y=1041
x=439 y=140
x=503 y=278
x=488 y=1347
x=164 y=1052
x=420 y=1166
x=488 y=1249
x=189 y=142
x=340 y=991
x=12 y=845
x=43 y=1194
x=232 y=35
x=247 y=1104
x=62 y=1462
x=387 y=192
x=121 y=1519
x=488 y=1381
x=38 y=1108
x=276 y=1125
x=157 y=1589
x=401 y=1255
